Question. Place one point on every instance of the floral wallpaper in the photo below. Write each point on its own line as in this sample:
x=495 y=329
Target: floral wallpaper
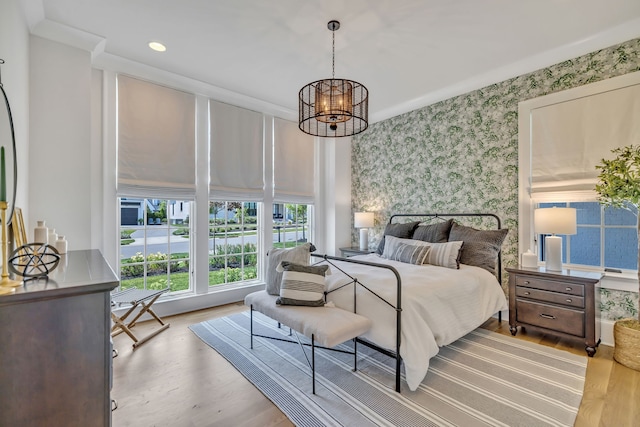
x=616 y=305
x=461 y=154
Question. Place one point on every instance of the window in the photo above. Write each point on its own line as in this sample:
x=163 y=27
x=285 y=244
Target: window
x=233 y=242
x=155 y=244
x=291 y=224
x=606 y=238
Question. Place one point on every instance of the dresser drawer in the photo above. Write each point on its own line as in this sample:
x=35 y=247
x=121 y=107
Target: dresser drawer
x=546 y=296
x=550 y=285
x=565 y=320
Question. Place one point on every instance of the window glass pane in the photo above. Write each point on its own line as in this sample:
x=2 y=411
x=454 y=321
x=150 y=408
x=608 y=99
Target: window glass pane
x=585 y=246
x=614 y=216
x=587 y=212
x=233 y=242
x=154 y=245
x=621 y=248
x=291 y=224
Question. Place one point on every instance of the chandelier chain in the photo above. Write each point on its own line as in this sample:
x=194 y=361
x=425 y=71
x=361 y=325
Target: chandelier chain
x=333 y=55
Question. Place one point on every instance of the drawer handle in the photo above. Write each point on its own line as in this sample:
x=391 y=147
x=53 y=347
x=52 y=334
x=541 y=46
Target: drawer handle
x=527 y=293
x=568 y=289
x=526 y=282
x=569 y=300
x=548 y=316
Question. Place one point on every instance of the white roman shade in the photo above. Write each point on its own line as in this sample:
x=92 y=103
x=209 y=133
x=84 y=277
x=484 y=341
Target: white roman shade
x=570 y=138
x=156 y=140
x=237 y=154
x=293 y=164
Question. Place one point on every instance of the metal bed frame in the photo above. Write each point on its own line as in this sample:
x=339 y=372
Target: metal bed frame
x=398 y=306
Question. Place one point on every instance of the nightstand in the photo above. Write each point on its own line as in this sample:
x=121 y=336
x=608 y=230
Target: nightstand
x=561 y=303
x=355 y=250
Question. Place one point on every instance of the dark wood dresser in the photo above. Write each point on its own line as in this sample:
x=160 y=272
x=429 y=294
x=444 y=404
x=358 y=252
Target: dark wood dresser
x=55 y=346
x=562 y=303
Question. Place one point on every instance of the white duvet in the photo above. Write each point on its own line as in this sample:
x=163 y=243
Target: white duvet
x=439 y=305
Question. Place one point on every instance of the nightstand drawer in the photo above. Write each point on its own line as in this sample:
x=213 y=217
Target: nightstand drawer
x=550 y=285
x=550 y=317
x=546 y=296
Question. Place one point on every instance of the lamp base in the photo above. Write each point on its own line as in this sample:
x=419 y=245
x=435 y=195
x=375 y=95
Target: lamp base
x=364 y=239
x=553 y=250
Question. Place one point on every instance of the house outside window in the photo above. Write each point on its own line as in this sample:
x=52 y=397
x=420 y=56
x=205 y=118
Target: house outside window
x=606 y=237
x=155 y=246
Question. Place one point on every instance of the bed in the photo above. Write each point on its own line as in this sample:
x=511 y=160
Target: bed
x=417 y=307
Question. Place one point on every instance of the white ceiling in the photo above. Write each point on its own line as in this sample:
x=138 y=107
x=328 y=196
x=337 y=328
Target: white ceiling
x=408 y=53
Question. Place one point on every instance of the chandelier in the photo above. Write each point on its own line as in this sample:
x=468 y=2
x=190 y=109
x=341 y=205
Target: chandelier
x=333 y=107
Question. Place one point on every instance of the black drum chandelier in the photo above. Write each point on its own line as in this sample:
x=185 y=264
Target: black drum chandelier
x=333 y=107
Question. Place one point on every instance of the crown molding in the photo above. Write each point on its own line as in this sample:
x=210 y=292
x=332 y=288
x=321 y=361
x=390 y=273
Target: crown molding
x=619 y=34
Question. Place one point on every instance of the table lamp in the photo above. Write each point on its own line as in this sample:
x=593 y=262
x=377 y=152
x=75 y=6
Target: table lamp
x=363 y=221
x=554 y=221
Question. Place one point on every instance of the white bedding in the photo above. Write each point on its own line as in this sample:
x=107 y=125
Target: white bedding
x=439 y=305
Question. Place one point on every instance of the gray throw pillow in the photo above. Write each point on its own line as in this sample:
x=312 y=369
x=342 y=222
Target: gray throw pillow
x=405 y=250
x=481 y=247
x=302 y=284
x=434 y=233
x=403 y=231
x=298 y=255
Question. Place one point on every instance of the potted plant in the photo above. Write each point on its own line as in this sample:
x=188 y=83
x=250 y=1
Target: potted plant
x=619 y=186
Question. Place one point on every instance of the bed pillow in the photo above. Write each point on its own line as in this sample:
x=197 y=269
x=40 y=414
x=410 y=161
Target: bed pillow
x=403 y=231
x=445 y=254
x=435 y=233
x=302 y=284
x=298 y=255
x=405 y=252
x=481 y=247
x=441 y=254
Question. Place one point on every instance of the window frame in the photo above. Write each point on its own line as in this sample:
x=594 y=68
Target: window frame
x=146 y=261
x=602 y=226
x=257 y=253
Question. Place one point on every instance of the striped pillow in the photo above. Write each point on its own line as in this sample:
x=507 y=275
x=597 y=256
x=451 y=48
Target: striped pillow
x=445 y=254
x=302 y=284
x=440 y=254
x=411 y=254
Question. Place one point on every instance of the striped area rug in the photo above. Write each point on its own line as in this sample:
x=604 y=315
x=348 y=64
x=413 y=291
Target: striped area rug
x=483 y=379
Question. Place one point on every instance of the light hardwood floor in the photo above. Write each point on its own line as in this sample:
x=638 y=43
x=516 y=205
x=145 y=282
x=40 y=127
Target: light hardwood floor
x=176 y=380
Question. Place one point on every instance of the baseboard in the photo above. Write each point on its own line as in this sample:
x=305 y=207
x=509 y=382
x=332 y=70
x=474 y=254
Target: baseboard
x=606 y=332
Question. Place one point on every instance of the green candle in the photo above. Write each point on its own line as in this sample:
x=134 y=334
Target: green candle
x=3 y=178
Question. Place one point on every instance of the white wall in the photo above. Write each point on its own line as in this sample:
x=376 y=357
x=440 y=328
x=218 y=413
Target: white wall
x=60 y=140
x=14 y=49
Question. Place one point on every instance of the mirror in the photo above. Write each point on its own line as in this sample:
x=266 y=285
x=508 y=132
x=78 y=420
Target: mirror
x=8 y=141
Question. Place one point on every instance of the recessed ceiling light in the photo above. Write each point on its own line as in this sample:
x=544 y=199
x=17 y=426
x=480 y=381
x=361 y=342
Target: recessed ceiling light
x=157 y=46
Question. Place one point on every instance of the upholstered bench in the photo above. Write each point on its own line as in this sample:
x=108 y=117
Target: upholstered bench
x=326 y=326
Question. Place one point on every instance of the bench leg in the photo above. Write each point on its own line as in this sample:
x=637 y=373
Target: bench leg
x=313 y=365
x=355 y=355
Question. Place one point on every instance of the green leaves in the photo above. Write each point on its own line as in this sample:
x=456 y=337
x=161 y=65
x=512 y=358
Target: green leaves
x=619 y=179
